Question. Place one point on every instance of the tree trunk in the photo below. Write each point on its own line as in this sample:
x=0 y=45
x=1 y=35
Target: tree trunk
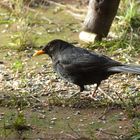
x=100 y=16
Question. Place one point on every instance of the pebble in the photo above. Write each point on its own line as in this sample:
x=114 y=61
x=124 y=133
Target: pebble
x=116 y=137
x=52 y=122
x=68 y=118
x=33 y=109
x=92 y=123
x=2 y=114
x=54 y=119
x=77 y=113
x=41 y=116
x=43 y=111
x=120 y=127
x=81 y=120
x=121 y=137
x=138 y=77
x=124 y=119
x=61 y=132
x=121 y=113
x=103 y=117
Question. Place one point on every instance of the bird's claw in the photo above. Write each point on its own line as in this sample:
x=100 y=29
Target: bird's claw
x=90 y=96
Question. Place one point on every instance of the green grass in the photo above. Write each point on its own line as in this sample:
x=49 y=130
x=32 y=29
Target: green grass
x=38 y=26
x=26 y=29
x=125 y=27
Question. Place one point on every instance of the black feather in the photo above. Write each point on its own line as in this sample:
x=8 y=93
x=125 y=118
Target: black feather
x=83 y=67
x=125 y=68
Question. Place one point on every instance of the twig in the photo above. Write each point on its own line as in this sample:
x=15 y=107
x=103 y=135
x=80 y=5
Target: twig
x=55 y=3
x=66 y=6
x=108 y=133
x=71 y=136
x=76 y=15
x=106 y=94
x=36 y=98
x=70 y=9
x=74 y=131
x=76 y=10
x=29 y=9
x=120 y=98
x=104 y=113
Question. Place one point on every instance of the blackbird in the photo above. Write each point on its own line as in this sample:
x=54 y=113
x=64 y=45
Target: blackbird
x=80 y=66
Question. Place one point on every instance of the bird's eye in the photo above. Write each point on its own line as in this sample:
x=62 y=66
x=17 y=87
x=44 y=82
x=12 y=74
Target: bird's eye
x=51 y=48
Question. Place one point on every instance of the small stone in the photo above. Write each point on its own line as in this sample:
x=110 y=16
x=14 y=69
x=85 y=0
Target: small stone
x=41 y=116
x=52 y=122
x=121 y=113
x=42 y=111
x=120 y=127
x=104 y=121
x=124 y=119
x=92 y=123
x=77 y=113
x=68 y=118
x=2 y=114
x=61 y=132
x=138 y=78
x=33 y=109
x=116 y=137
x=103 y=117
x=63 y=105
x=121 y=137
x=54 y=119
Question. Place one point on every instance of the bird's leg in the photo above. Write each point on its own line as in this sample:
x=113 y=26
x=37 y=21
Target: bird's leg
x=81 y=90
x=96 y=88
x=92 y=95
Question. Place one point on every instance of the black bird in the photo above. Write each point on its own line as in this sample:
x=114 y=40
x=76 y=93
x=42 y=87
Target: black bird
x=82 y=67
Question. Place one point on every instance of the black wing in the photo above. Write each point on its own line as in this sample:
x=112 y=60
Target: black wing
x=78 y=60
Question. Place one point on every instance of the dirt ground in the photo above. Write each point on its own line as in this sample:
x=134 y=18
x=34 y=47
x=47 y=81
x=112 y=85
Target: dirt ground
x=36 y=104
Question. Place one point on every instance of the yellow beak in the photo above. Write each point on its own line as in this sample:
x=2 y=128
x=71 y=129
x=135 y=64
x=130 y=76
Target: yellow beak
x=38 y=53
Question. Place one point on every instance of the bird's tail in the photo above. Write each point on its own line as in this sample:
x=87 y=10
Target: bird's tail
x=125 y=68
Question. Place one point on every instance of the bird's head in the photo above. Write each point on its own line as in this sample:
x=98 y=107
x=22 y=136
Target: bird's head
x=52 y=47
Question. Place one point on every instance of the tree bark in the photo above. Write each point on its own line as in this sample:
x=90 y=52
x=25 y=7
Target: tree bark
x=100 y=16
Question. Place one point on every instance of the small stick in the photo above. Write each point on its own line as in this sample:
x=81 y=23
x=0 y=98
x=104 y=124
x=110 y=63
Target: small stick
x=74 y=130
x=106 y=94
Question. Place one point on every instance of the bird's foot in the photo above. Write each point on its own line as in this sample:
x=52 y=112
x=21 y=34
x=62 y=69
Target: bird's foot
x=89 y=96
